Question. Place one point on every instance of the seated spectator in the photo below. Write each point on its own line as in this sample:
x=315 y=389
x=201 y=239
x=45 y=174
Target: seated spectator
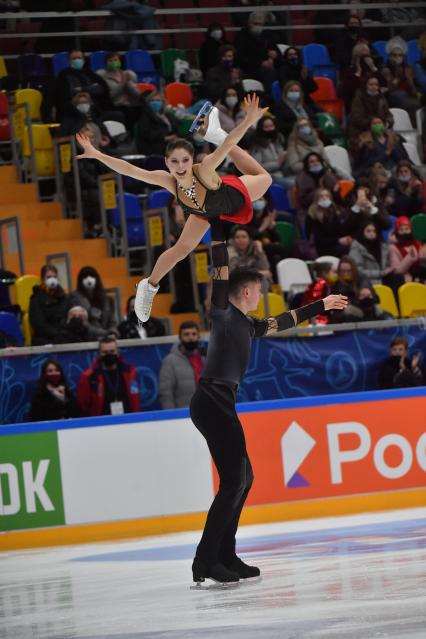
x=367 y=104
x=363 y=66
x=267 y=147
x=130 y=328
x=229 y=107
x=48 y=307
x=316 y=174
x=77 y=327
x=255 y=50
x=78 y=114
x=207 y=54
x=91 y=296
x=224 y=74
x=362 y=205
x=122 y=84
x=420 y=69
x=244 y=252
x=291 y=107
x=153 y=129
x=407 y=255
x=76 y=78
x=53 y=399
x=378 y=145
x=263 y=228
x=324 y=278
x=398 y=371
x=181 y=369
x=363 y=301
x=293 y=70
x=111 y=386
x=399 y=78
x=326 y=225
x=347 y=39
x=405 y=191
x=302 y=140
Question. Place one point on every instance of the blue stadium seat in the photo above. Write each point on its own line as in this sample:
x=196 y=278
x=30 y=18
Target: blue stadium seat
x=413 y=55
x=10 y=326
x=142 y=64
x=207 y=237
x=97 y=60
x=134 y=218
x=154 y=163
x=60 y=61
x=159 y=199
x=387 y=232
x=317 y=59
x=380 y=48
x=276 y=91
x=279 y=196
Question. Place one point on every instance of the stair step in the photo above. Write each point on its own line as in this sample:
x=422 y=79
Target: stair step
x=19 y=194
x=162 y=304
x=49 y=230
x=177 y=319
x=88 y=251
x=32 y=211
x=8 y=174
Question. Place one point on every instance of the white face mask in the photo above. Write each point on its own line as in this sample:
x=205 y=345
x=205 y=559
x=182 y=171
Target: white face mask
x=325 y=203
x=231 y=101
x=89 y=282
x=51 y=282
x=83 y=107
x=259 y=205
x=256 y=29
x=216 y=34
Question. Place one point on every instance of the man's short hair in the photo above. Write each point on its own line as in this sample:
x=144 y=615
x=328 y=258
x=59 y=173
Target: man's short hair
x=242 y=277
x=188 y=324
x=399 y=340
x=108 y=339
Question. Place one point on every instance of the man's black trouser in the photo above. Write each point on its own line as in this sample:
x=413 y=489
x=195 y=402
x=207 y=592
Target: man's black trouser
x=213 y=413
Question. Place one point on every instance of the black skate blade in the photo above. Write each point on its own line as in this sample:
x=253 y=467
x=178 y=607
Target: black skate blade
x=202 y=113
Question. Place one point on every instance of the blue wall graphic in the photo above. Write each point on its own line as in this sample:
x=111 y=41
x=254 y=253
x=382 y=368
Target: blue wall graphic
x=279 y=368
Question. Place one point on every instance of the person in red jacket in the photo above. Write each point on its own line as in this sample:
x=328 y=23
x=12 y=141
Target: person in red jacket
x=110 y=386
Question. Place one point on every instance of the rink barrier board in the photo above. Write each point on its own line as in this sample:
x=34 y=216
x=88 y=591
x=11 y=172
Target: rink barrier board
x=301 y=492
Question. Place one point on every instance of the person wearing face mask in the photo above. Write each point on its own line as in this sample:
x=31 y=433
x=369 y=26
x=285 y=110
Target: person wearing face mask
x=154 y=128
x=256 y=52
x=267 y=147
x=77 y=78
x=215 y=38
x=347 y=39
x=293 y=70
x=111 y=385
x=398 y=370
x=223 y=74
x=362 y=205
x=368 y=103
x=405 y=191
x=181 y=369
x=407 y=255
x=48 y=307
x=229 y=107
x=364 y=65
x=53 y=398
x=400 y=79
x=378 y=145
x=326 y=225
x=122 y=84
x=99 y=306
x=363 y=301
x=302 y=140
x=131 y=328
x=76 y=328
x=316 y=174
x=371 y=256
x=291 y=107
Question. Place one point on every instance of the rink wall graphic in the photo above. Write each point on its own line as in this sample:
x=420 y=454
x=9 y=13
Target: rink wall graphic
x=80 y=480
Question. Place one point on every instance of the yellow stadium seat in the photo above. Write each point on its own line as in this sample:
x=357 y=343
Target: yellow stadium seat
x=43 y=149
x=3 y=69
x=33 y=98
x=27 y=329
x=277 y=305
x=412 y=299
x=24 y=289
x=387 y=299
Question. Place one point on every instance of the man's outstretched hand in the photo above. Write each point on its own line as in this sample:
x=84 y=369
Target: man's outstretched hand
x=335 y=302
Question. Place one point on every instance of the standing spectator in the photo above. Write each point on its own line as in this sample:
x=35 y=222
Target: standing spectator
x=110 y=386
x=316 y=174
x=255 y=50
x=130 y=327
x=378 y=145
x=399 y=77
x=293 y=70
x=215 y=38
x=407 y=255
x=291 y=107
x=244 y=252
x=398 y=371
x=122 y=84
x=267 y=148
x=77 y=327
x=347 y=39
x=48 y=307
x=326 y=225
x=53 y=398
x=91 y=296
x=367 y=104
x=224 y=74
x=405 y=191
x=181 y=369
x=229 y=107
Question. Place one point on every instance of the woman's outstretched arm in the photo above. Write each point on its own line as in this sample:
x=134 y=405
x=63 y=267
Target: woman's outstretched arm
x=160 y=178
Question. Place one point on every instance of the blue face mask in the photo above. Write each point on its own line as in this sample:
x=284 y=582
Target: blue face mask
x=315 y=169
x=156 y=105
x=259 y=205
x=293 y=96
x=293 y=60
x=77 y=64
x=305 y=130
x=404 y=178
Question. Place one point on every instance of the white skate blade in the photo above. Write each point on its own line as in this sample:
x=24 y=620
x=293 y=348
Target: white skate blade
x=216 y=585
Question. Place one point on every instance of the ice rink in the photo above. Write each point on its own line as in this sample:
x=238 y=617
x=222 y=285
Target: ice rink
x=358 y=577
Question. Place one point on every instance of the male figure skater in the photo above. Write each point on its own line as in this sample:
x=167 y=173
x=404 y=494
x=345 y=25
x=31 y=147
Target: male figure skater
x=213 y=405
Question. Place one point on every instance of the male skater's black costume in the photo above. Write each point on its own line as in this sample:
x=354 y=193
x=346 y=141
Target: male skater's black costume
x=214 y=415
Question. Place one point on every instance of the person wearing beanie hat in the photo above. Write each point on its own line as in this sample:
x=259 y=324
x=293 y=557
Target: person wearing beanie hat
x=407 y=255
x=399 y=77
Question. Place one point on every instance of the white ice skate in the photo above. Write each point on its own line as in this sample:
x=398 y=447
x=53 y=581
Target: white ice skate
x=144 y=297
x=207 y=124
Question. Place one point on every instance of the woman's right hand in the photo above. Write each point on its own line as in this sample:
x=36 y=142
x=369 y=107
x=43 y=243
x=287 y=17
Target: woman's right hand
x=251 y=107
x=89 y=149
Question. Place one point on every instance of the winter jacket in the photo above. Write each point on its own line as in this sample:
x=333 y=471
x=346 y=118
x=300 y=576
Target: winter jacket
x=177 y=381
x=150 y=131
x=366 y=262
x=404 y=203
x=227 y=121
x=372 y=151
x=123 y=89
x=91 y=388
x=286 y=117
x=47 y=313
x=249 y=259
x=364 y=108
x=70 y=81
x=46 y=407
x=307 y=184
x=268 y=155
x=391 y=375
x=297 y=150
x=218 y=79
x=326 y=234
x=102 y=320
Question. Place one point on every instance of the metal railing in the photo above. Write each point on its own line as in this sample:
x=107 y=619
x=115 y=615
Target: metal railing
x=65 y=150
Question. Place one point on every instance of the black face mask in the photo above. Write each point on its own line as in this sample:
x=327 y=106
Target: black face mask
x=404 y=238
x=109 y=359
x=191 y=346
x=366 y=302
x=76 y=325
x=270 y=134
x=354 y=30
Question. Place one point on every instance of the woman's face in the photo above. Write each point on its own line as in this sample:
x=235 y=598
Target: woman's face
x=268 y=125
x=370 y=232
x=313 y=161
x=179 y=163
x=397 y=56
x=241 y=240
x=52 y=368
x=231 y=93
x=373 y=86
x=404 y=172
x=345 y=271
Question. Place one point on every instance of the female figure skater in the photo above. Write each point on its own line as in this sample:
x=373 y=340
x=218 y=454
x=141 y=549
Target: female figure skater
x=198 y=188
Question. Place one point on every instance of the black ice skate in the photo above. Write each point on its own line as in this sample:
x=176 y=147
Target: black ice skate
x=218 y=573
x=243 y=570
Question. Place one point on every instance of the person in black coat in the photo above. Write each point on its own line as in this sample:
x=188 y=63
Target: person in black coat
x=398 y=371
x=292 y=68
x=215 y=38
x=347 y=38
x=48 y=307
x=53 y=398
x=404 y=194
x=130 y=328
x=223 y=74
x=154 y=129
x=77 y=328
x=256 y=51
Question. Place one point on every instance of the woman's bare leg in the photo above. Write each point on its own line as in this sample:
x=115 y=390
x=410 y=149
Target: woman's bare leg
x=192 y=233
x=255 y=178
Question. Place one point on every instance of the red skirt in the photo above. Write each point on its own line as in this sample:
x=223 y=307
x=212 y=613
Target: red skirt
x=245 y=214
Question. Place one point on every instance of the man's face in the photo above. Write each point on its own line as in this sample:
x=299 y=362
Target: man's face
x=109 y=348
x=189 y=335
x=77 y=313
x=398 y=350
x=252 y=294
